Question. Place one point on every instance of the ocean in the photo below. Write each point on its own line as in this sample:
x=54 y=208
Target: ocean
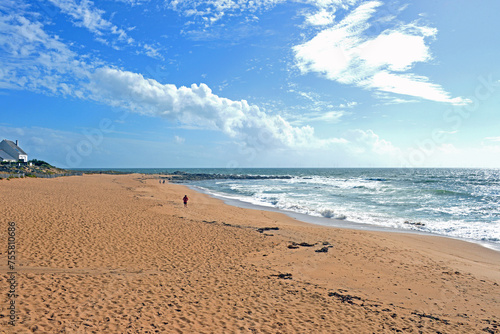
x=458 y=203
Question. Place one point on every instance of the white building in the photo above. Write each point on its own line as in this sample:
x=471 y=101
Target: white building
x=9 y=151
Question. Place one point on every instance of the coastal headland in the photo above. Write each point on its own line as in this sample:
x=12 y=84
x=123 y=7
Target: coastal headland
x=121 y=254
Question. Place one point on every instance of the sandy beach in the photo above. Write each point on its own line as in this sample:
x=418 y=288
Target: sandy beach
x=121 y=254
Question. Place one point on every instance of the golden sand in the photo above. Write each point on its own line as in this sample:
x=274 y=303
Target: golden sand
x=121 y=254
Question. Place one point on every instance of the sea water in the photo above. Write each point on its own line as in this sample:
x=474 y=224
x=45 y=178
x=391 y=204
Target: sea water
x=459 y=203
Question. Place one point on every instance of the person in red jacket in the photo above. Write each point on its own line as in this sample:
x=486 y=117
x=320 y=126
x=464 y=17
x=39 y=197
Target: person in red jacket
x=185 y=199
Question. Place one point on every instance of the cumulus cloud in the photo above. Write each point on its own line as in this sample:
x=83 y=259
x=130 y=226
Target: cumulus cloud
x=345 y=53
x=198 y=106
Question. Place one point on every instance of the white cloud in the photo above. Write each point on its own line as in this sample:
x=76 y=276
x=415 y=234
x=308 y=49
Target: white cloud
x=316 y=108
x=412 y=85
x=208 y=12
x=321 y=18
x=332 y=51
x=196 y=106
x=492 y=139
x=86 y=15
x=333 y=116
x=348 y=104
x=151 y=51
x=367 y=141
x=328 y=116
x=444 y=132
x=34 y=60
x=322 y=4
x=179 y=140
x=134 y=2
x=395 y=50
x=346 y=54
x=39 y=62
x=213 y=7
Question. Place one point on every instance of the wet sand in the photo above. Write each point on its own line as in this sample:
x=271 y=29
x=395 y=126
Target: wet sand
x=121 y=254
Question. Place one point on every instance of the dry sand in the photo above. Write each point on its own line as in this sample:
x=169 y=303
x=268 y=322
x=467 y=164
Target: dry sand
x=121 y=254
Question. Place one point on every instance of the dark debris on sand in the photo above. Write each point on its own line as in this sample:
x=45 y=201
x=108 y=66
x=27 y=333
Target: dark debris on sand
x=263 y=229
x=283 y=276
x=344 y=298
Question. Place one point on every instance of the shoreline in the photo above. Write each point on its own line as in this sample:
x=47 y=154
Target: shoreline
x=426 y=238
x=337 y=223
x=121 y=253
x=185 y=175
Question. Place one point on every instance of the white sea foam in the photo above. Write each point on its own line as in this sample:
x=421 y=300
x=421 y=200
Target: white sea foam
x=328 y=213
x=455 y=203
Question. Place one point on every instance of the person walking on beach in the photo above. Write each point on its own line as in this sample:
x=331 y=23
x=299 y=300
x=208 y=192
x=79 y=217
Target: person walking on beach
x=185 y=199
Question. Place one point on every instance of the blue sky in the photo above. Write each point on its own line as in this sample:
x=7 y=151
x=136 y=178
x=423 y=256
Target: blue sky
x=262 y=83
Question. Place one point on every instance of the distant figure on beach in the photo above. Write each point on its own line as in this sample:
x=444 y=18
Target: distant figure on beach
x=163 y=181
x=159 y=181
x=185 y=199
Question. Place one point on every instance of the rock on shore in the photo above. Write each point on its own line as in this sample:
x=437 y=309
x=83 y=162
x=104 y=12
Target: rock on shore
x=183 y=176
